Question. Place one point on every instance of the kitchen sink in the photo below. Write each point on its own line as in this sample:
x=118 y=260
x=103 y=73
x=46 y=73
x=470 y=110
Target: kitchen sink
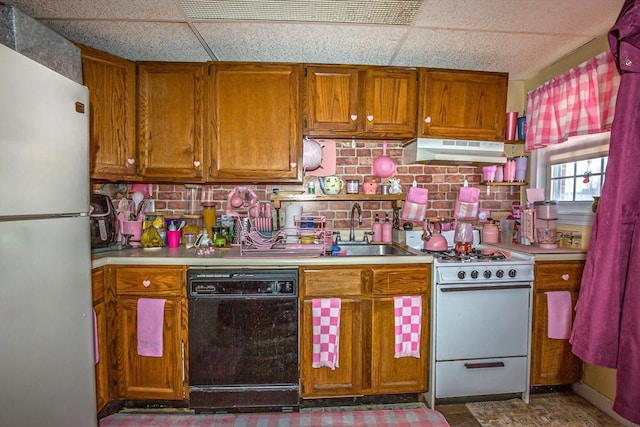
x=365 y=249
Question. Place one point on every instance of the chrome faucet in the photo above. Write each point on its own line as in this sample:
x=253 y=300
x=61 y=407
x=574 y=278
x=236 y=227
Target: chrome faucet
x=354 y=209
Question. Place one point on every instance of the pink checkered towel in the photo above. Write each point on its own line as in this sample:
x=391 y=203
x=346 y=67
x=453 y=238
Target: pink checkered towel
x=408 y=319
x=326 y=332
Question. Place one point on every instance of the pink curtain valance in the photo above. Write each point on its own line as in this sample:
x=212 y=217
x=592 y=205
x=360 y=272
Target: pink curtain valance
x=578 y=102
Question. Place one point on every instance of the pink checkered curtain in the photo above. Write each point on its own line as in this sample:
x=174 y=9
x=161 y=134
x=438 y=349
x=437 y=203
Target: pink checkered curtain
x=578 y=102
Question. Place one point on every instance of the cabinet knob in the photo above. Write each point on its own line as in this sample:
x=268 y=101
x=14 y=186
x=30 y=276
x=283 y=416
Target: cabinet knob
x=196 y=163
x=370 y=117
x=354 y=117
x=293 y=164
x=565 y=277
x=427 y=119
x=146 y=283
x=131 y=161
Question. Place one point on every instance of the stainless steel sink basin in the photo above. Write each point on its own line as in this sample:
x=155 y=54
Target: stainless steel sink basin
x=373 y=250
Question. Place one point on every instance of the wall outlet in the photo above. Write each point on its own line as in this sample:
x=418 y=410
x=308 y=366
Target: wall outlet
x=149 y=205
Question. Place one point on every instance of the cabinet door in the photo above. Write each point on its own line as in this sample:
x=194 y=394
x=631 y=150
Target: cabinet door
x=462 y=104
x=112 y=98
x=141 y=377
x=102 y=367
x=170 y=121
x=552 y=361
x=332 y=100
x=391 y=100
x=345 y=380
x=255 y=123
x=388 y=374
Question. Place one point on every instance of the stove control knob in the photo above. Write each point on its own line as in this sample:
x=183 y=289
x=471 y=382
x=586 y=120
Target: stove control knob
x=474 y=274
x=461 y=275
x=499 y=274
x=487 y=274
x=512 y=273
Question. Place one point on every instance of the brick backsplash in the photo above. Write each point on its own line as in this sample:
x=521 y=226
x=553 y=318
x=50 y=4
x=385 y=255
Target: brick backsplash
x=442 y=182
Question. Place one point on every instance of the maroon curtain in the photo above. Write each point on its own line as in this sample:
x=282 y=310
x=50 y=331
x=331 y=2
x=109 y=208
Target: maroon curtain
x=606 y=330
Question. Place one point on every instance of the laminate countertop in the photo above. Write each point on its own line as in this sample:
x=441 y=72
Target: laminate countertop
x=227 y=257
x=541 y=254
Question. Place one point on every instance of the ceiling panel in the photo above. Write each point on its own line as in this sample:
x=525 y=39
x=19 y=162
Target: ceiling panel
x=515 y=36
x=287 y=42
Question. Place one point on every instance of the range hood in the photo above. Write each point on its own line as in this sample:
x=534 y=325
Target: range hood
x=454 y=152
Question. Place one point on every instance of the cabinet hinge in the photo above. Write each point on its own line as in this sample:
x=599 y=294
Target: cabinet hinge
x=305 y=71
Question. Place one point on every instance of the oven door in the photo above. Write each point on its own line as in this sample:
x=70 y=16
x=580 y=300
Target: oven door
x=482 y=321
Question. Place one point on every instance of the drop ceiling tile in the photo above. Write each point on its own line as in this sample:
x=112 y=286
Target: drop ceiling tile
x=287 y=42
x=100 y=9
x=540 y=16
x=140 y=41
x=525 y=54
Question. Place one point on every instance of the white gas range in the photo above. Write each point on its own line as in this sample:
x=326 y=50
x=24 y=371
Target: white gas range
x=481 y=328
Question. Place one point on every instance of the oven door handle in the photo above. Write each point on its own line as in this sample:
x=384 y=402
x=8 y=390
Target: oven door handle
x=484 y=288
x=484 y=365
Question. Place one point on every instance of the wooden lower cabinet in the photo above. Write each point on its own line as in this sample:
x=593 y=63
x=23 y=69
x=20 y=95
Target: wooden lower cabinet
x=146 y=377
x=552 y=362
x=367 y=365
x=102 y=367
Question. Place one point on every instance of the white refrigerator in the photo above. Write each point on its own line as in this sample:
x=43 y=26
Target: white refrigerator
x=46 y=321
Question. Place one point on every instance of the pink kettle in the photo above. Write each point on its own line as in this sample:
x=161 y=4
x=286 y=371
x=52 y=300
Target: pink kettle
x=434 y=242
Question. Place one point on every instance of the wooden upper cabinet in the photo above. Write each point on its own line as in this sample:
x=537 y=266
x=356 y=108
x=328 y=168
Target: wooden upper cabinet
x=170 y=120
x=331 y=100
x=112 y=113
x=390 y=102
x=374 y=102
x=254 y=122
x=462 y=104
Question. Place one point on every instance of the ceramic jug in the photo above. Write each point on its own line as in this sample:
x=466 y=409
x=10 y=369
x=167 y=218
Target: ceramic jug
x=331 y=184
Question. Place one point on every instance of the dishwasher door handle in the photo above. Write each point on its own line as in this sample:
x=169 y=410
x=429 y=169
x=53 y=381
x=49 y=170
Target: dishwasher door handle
x=484 y=365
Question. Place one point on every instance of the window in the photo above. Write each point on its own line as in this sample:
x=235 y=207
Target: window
x=560 y=169
x=577 y=181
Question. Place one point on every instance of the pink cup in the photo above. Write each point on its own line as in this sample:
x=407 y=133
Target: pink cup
x=173 y=238
x=499 y=173
x=509 y=172
x=489 y=173
x=511 y=124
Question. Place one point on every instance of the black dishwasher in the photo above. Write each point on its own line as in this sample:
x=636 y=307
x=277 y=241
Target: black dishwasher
x=243 y=340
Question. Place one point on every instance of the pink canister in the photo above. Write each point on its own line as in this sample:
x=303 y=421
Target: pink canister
x=490 y=233
x=509 y=170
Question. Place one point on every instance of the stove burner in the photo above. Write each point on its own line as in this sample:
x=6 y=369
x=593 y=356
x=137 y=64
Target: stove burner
x=476 y=255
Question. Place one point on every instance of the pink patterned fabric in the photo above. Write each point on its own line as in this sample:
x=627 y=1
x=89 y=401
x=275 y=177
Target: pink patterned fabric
x=326 y=332
x=150 y=318
x=559 y=312
x=408 y=319
x=580 y=101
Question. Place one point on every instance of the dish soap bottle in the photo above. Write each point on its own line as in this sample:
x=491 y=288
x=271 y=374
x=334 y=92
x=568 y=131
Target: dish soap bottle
x=387 y=230
x=377 y=230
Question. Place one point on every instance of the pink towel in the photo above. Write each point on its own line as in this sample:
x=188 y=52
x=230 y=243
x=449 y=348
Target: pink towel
x=408 y=319
x=559 y=313
x=150 y=326
x=96 y=354
x=326 y=332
